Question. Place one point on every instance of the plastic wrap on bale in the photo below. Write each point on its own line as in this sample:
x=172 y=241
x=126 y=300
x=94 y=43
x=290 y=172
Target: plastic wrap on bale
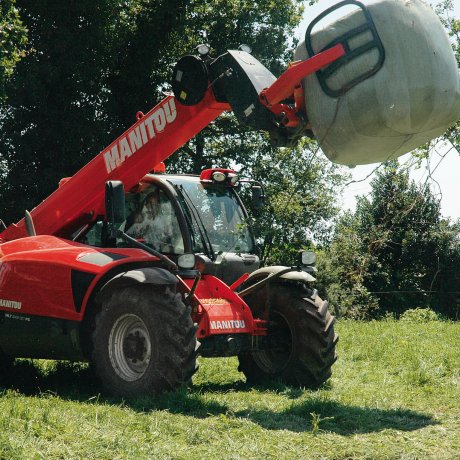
x=411 y=99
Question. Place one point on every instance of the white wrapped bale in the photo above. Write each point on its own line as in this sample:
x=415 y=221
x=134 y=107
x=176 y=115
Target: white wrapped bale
x=413 y=98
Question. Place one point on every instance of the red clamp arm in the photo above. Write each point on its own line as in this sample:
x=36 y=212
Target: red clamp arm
x=288 y=85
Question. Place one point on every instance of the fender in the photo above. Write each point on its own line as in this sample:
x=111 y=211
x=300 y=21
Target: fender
x=266 y=275
x=259 y=297
x=150 y=275
x=263 y=272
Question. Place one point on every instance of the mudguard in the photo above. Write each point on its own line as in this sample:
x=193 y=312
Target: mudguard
x=153 y=275
x=263 y=272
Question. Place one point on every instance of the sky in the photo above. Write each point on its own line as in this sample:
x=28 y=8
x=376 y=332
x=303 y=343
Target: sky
x=442 y=170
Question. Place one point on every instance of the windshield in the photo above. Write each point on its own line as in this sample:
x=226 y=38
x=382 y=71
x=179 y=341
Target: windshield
x=217 y=209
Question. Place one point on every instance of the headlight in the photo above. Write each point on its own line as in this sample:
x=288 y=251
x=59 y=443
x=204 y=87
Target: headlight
x=218 y=176
x=203 y=49
x=186 y=261
x=307 y=257
x=232 y=178
x=245 y=48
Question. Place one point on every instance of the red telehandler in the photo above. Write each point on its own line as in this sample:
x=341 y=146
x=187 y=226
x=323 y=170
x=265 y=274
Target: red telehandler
x=140 y=283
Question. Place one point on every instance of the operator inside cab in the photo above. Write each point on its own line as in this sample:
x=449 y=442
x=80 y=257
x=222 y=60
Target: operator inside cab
x=152 y=220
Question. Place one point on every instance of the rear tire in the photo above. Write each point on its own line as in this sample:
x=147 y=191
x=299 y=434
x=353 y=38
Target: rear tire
x=6 y=363
x=305 y=329
x=144 y=341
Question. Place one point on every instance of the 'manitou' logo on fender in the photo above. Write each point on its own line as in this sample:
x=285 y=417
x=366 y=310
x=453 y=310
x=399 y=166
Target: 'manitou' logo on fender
x=10 y=304
x=231 y=324
x=141 y=133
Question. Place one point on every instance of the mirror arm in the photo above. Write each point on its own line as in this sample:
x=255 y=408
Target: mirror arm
x=29 y=223
x=138 y=244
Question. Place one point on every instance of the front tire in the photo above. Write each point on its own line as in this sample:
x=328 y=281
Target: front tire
x=144 y=341
x=303 y=330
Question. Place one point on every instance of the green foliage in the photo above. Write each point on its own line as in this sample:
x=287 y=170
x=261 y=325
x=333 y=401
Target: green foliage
x=301 y=188
x=420 y=315
x=55 y=119
x=315 y=421
x=340 y=272
x=13 y=41
x=395 y=252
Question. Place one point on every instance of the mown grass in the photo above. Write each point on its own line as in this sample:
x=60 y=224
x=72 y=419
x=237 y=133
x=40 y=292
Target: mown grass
x=395 y=393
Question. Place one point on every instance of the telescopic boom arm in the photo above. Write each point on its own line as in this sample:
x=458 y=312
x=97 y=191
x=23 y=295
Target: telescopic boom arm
x=234 y=81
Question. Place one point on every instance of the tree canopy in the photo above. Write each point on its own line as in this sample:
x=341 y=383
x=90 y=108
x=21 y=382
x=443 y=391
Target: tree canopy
x=13 y=40
x=394 y=252
x=302 y=188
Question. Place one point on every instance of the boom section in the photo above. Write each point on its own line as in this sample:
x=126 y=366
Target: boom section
x=237 y=81
x=154 y=137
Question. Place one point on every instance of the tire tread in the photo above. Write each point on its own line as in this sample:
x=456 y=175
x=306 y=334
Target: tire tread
x=314 y=340
x=173 y=335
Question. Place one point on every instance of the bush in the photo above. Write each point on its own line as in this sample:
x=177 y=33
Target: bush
x=420 y=315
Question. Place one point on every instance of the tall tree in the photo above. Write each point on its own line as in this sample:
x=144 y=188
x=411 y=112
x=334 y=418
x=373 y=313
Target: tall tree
x=54 y=118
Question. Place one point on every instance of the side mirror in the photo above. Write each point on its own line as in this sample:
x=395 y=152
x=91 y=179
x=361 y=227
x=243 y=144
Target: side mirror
x=115 y=201
x=306 y=258
x=258 y=197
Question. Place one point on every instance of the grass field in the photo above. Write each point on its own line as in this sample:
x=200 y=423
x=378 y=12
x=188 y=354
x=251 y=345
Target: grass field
x=395 y=393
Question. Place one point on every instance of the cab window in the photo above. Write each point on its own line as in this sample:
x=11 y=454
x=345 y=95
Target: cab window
x=151 y=219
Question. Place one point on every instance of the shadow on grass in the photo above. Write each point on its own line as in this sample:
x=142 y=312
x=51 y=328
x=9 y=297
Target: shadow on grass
x=342 y=419
x=76 y=382
x=68 y=380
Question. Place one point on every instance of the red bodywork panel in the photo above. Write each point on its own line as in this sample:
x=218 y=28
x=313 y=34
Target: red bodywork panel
x=35 y=274
x=35 y=279
x=284 y=86
x=289 y=85
x=219 y=310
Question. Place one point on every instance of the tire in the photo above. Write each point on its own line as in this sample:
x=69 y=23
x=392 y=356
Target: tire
x=144 y=341
x=306 y=328
x=6 y=363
